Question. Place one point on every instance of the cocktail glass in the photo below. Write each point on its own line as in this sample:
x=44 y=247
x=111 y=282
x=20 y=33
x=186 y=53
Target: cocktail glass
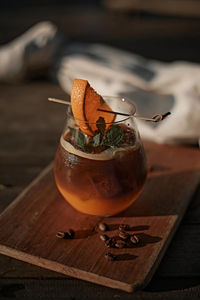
x=100 y=180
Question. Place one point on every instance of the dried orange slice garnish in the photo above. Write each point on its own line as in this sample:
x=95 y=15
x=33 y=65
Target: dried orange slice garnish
x=85 y=104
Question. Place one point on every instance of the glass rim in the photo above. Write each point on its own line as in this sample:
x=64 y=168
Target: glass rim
x=123 y=99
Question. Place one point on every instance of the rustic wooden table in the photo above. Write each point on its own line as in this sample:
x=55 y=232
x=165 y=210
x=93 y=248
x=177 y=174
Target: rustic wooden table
x=29 y=133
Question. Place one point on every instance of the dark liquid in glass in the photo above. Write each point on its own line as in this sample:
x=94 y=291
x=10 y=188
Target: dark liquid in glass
x=101 y=187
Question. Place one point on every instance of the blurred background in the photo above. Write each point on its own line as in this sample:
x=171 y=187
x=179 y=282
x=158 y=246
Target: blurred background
x=167 y=31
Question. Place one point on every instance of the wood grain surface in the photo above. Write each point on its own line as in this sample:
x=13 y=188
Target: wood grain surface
x=28 y=119
x=35 y=217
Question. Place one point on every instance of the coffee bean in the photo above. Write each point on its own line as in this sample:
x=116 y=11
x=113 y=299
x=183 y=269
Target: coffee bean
x=102 y=226
x=110 y=256
x=103 y=237
x=69 y=234
x=123 y=227
x=110 y=243
x=123 y=235
x=60 y=234
x=113 y=241
x=134 y=239
x=120 y=244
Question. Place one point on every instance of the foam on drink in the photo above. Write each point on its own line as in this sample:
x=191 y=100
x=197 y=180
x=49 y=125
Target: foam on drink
x=107 y=154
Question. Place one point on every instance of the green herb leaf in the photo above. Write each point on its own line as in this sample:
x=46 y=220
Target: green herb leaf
x=101 y=125
x=88 y=148
x=96 y=140
x=113 y=137
x=79 y=137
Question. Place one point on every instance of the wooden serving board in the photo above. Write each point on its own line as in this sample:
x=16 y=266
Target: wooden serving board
x=29 y=225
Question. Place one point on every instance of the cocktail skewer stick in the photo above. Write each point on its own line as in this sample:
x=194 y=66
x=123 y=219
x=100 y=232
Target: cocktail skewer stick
x=59 y=101
x=156 y=118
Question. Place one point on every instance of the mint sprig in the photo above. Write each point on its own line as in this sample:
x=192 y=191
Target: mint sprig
x=101 y=125
x=96 y=140
x=113 y=137
x=79 y=137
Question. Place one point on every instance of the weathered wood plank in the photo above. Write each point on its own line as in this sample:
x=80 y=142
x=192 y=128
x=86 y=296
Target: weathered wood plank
x=176 y=264
x=193 y=212
x=155 y=214
x=183 y=256
x=77 y=289
x=29 y=132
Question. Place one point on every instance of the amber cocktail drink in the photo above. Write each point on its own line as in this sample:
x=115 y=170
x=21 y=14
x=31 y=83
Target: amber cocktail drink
x=97 y=178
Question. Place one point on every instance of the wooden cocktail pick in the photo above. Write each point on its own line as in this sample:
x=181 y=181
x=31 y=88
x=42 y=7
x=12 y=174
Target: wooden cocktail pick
x=155 y=118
